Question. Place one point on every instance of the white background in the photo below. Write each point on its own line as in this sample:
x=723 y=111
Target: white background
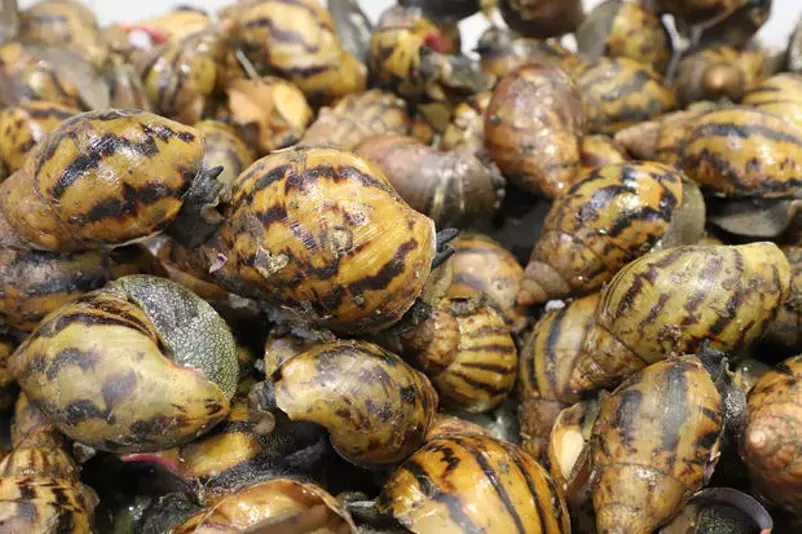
x=775 y=32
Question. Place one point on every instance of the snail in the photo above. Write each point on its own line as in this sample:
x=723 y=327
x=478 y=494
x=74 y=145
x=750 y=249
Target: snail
x=466 y=131
x=778 y=95
x=269 y=112
x=503 y=51
x=715 y=73
x=654 y=444
x=358 y=117
x=616 y=214
x=25 y=75
x=376 y=408
x=454 y=189
x=785 y=330
x=321 y=234
x=542 y=18
x=533 y=129
x=598 y=151
x=466 y=350
x=223 y=147
x=668 y=302
x=108 y=177
x=471 y=483
x=445 y=10
x=140 y=365
x=24 y=126
x=8 y=387
x=616 y=28
x=620 y=92
x=739 y=27
x=125 y=87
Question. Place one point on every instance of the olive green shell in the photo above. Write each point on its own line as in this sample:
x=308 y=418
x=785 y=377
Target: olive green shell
x=780 y=95
x=533 y=129
x=482 y=266
x=620 y=92
x=616 y=214
x=33 y=283
x=740 y=151
x=770 y=439
x=654 y=445
x=140 y=365
x=376 y=408
x=668 y=303
x=181 y=76
x=358 y=117
x=786 y=330
x=101 y=179
x=23 y=126
x=322 y=234
x=223 y=147
x=278 y=504
x=474 y=483
x=467 y=351
x=40 y=492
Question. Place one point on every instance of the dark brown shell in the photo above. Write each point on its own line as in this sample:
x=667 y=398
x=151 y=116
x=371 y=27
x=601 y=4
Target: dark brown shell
x=533 y=129
x=542 y=18
x=8 y=386
x=454 y=189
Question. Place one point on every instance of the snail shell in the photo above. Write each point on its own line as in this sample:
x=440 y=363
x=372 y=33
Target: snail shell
x=716 y=73
x=224 y=148
x=597 y=151
x=780 y=95
x=503 y=51
x=542 y=18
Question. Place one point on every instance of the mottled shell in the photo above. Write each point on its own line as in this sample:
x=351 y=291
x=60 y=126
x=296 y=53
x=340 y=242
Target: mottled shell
x=444 y=426
x=358 y=117
x=545 y=366
x=715 y=73
x=181 y=76
x=24 y=125
x=542 y=18
x=597 y=151
x=780 y=95
x=467 y=351
x=786 y=330
x=482 y=266
x=770 y=446
x=140 y=365
x=269 y=112
x=466 y=131
x=66 y=24
x=40 y=492
x=618 y=28
x=31 y=428
x=459 y=484
x=33 y=283
x=376 y=408
x=8 y=386
x=705 y=12
x=533 y=129
x=620 y=92
x=25 y=77
x=102 y=178
x=503 y=51
x=454 y=189
x=278 y=502
x=608 y=219
x=669 y=302
x=322 y=233
x=296 y=40
x=740 y=151
x=654 y=445
x=223 y=147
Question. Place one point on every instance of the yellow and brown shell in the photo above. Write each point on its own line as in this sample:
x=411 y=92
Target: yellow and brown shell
x=25 y=77
x=786 y=330
x=597 y=151
x=222 y=146
x=780 y=95
x=716 y=73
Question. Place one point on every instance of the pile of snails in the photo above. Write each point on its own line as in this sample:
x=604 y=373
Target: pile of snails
x=278 y=269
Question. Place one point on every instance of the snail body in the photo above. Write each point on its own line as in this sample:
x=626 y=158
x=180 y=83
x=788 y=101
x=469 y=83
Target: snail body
x=654 y=442
x=606 y=220
x=670 y=301
x=536 y=144
x=159 y=370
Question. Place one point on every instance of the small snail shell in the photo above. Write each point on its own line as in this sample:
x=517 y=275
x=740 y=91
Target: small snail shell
x=321 y=233
x=140 y=365
x=620 y=92
x=741 y=151
x=270 y=112
x=473 y=483
x=597 y=151
x=281 y=347
x=533 y=129
x=786 y=329
x=653 y=445
x=542 y=18
x=452 y=188
x=271 y=504
x=358 y=117
x=223 y=147
x=503 y=51
x=467 y=351
x=126 y=90
x=482 y=266
x=606 y=220
x=716 y=73
x=376 y=408
x=668 y=302
x=780 y=95
x=24 y=126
